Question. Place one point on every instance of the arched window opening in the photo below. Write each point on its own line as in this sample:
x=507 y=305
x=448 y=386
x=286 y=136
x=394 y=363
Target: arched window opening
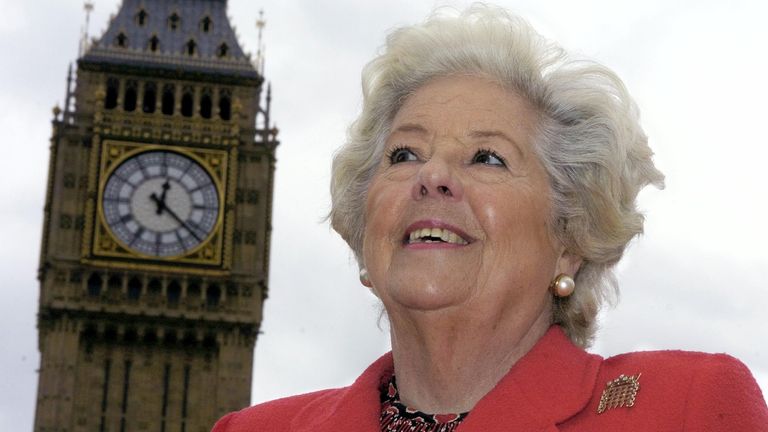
x=154 y=286
x=206 y=103
x=225 y=105
x=134 y=288
x=170 y=338
x=150 y=98
x=209 y=341
x=174 y=21
x=189 y=340
x=90 y=334
x=121 y=40
x=131 y=336
x=193 y=289
x=187 y=102
x=190 y=47
x=129 y=99
x=110 y=334
x=213 y=295
x=113 y=85
x=174 y=292
x=169 y=99
x=142 y=17
x=94 y=285
x=222 y=51
x=206 y=24
x=150 y=336
x=154 y=43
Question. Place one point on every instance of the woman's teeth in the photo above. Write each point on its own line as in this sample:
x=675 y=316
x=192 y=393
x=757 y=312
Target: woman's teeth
x=435 y=235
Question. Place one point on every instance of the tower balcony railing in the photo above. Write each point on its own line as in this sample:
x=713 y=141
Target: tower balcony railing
x=220 y=65
x=156 y=127
x=154 y=296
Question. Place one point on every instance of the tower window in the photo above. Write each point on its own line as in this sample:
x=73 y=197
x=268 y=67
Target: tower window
x=206 y=24
x=193 y=289
x=154 y=43
x=142 y=17
x=122 y=40
x=225 y=105
x=94 y=285
x=150 y=336
x=170 y=338
x=190 y=47
x=131 y=336
x=174 y=21
x=187 y=102
x=150 y=98
x=155 y=287
x=174 y=293
x=213 y=295
x=113 y=85
x=188 y=340
x=206 y=103
x=134 y=288
x=209 y=341
x=129 y=99
x=169 y=99
x=223 y=50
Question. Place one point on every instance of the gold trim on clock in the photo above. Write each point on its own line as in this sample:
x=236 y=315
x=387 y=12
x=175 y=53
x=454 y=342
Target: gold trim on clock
x=209 y=251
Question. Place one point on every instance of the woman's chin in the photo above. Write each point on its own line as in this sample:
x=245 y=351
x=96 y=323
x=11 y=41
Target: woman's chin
x=425 y=296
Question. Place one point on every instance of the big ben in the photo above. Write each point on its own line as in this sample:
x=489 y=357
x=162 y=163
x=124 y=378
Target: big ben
x=155 y=247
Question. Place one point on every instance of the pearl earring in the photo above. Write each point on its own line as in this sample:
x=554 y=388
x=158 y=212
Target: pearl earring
x=563 y=285
x=364 y=278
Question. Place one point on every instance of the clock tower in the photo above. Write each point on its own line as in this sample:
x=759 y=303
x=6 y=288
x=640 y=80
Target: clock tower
x=155 y=247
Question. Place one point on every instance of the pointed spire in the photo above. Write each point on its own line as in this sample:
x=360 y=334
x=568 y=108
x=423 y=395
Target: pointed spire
x=88 y=6
x=68 y=95
x=260 y=23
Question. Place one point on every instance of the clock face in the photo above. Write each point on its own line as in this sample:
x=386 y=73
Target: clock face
x=160 y=203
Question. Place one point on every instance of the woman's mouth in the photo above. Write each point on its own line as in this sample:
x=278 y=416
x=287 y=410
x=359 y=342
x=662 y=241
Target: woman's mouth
x=435 y=235
x=430 y=232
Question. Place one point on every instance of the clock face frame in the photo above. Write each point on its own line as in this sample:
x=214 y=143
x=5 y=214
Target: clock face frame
x=161 y=203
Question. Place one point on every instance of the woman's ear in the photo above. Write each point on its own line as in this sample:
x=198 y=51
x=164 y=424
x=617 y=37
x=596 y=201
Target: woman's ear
x=568 y=263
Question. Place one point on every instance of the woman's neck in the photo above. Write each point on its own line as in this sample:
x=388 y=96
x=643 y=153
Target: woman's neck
x=446 y=362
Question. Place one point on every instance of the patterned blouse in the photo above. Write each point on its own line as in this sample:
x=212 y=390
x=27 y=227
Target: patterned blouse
x=396 y=417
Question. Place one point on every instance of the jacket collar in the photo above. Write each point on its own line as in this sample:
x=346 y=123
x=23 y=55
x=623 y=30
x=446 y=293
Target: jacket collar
x=551 y=383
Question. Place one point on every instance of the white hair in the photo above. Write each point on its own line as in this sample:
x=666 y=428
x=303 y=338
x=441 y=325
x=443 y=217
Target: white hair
x=588 y=138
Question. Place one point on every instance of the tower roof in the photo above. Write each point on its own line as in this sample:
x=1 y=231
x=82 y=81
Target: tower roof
x=180 y=35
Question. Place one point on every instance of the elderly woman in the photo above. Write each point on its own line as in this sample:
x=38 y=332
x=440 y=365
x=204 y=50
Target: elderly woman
x=487 y=190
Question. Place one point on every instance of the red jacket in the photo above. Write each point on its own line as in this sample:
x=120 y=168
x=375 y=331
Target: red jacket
x=555 y=387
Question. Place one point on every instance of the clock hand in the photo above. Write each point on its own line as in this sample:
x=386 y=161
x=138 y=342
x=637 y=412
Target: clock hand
x=166 y=186
x=160 y=201
x=181 y=222
x=161 y=206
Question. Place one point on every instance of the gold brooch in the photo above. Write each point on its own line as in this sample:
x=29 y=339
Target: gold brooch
x=620 y=392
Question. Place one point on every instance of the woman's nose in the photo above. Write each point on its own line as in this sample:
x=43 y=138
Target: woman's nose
x=436 y=179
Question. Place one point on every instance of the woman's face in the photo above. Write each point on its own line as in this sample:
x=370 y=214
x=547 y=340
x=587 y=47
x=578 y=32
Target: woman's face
x=457 y=211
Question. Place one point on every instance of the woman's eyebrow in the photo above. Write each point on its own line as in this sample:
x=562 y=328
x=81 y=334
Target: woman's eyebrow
x=411 y=127
x=496 y=134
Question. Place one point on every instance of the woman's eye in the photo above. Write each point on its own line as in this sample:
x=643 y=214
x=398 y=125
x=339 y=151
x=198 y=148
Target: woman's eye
x=401 y=155
x=488 y=157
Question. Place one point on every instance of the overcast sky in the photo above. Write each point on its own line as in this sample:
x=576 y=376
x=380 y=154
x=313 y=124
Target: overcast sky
x=696 y=280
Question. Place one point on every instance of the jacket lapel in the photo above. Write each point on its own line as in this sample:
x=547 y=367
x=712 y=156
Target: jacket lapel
x=353 y=408
x=550 y=384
